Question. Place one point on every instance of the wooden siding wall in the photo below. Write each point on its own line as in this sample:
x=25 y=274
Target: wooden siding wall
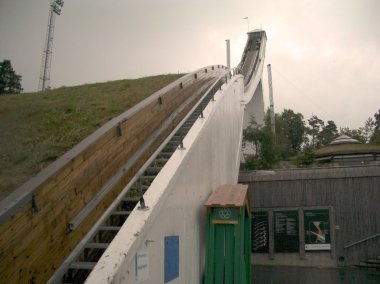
x=33 y=245
x=352 y=192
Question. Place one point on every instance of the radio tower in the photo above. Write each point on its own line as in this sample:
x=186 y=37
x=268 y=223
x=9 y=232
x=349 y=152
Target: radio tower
x=55 y=9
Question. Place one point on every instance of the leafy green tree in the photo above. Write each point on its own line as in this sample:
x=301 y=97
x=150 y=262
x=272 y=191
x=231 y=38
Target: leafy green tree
x=252 y=134
x=376 y=131
x=316 y=125
x=306 y=158
x=377 y=120
x=263 y=139
x=368 y=129
x=268 y=150
x=328 y=133
x=10 y=82
x=293 y=128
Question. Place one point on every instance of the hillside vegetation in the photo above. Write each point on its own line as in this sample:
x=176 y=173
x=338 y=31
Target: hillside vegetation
x=37 y=128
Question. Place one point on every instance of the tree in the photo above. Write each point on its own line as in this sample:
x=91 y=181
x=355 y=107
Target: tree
x=10 y=82
x=376 y=131
x=293 y=128
x=252 y=134
x=316 y=125
x=263 y=140
x=368 y=129
x=328 y=133
x=377 y=120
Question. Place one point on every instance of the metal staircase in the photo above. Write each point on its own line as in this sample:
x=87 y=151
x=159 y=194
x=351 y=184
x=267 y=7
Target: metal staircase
x=85 y=256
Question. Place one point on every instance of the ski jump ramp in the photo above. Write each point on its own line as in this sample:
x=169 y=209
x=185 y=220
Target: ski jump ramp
x=165 y=241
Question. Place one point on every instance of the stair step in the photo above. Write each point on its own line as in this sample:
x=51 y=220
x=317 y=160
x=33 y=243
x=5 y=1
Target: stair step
x=174 y=143
x=133 y=199
x=83 y=265
x=135 y=187
x=372 y=261
x=153 y=170
x=148 y=178
x=368 y=266
x=176 y=138
x=109 y=228
x=165 y=155
x=97 y=245
x=121 y=213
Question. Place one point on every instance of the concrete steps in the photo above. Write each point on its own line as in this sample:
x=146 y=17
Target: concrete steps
x=370 y=264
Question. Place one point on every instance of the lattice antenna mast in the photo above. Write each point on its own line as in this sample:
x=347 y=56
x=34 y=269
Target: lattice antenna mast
x=272 y=122
x=55 y=9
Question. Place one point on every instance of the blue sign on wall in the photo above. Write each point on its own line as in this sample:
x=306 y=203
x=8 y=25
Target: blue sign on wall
x=171 y=258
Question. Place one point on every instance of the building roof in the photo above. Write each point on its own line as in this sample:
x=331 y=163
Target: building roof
x=344 y=139
x=310 y=173
x=347 y=149
x=344 y=145
x=228 y=195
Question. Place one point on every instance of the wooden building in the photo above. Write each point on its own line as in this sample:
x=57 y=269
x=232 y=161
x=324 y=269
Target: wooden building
x=323 y=217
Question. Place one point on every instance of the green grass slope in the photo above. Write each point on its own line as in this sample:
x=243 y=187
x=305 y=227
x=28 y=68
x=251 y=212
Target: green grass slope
x=37 y=128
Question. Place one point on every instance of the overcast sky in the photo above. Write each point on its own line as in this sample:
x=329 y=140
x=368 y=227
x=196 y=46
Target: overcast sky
x=325 y=54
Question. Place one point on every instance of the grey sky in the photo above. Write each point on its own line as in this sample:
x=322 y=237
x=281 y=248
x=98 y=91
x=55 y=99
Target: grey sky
x=324 y=54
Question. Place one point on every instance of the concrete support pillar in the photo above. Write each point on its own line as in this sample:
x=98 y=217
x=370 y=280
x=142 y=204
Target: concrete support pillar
x=228 y=54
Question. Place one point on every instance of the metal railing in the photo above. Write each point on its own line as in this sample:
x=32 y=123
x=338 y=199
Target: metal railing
x=362 y=241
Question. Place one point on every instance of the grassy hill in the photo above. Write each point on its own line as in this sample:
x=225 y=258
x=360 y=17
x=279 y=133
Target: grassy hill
x=37 y=128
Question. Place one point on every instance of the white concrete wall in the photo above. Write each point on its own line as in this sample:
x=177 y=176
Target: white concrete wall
x=177 y=195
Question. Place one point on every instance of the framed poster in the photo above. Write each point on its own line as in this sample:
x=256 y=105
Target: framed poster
x=286 y=232
x=317 y=230
x=260 y=232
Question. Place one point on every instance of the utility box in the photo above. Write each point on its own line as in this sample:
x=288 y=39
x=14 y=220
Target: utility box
x=228 y=255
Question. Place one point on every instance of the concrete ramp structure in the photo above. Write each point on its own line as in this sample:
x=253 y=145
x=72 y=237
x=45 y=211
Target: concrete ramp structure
x=166 y=242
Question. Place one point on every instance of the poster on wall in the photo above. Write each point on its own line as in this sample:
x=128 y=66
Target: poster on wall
x=260 y=232
x=286 y=237
x=317 y=230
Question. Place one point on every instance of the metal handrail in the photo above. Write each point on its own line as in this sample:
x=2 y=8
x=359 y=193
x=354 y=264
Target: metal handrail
x=362 y=240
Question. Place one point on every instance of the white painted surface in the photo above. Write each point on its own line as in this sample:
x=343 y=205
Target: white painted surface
x=141 y=265
x=177 y=195
x=228 y=54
